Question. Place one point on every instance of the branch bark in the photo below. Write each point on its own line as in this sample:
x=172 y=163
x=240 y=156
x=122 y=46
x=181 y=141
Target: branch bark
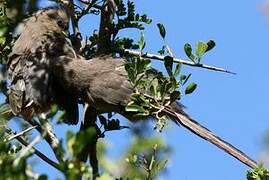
x=76 y=36
x=46 y=131
x=185 y=62
x=21 y=133
x=106 y=27
x=89 y=150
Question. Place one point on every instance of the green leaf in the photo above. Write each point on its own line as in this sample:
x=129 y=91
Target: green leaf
x=134 y=108
x=154 y=85
x=191 y=87
x=162 y=50
x=173 y=84
x=188 y=51
x=201 y=48
x=53 y=111
x=142 y=42
x=210 y=45
x=2 y=41
x=145 y=113
x=161 y=164
x=147 y=64
x=177 y=70
x=162 y=30
x=258 y=173
x=184 y=79
x=130 y=71
x=163 y=89
x=3 y=31
x=168 y=63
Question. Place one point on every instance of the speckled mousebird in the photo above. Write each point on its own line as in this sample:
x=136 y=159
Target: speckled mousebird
x=102 y=82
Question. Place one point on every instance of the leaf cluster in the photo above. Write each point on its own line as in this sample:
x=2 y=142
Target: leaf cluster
x=12 y=167
x=154 y=91
x=200 y=50
x=259 y=173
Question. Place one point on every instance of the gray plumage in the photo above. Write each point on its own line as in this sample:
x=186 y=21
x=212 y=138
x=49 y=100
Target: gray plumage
x=33 y=88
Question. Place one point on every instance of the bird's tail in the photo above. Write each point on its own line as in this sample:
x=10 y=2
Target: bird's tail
x=176 y=113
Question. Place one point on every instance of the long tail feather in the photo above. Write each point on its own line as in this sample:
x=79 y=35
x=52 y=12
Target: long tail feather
x=180 y=117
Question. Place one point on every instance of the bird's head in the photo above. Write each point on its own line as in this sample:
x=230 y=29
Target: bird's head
x=56 y=15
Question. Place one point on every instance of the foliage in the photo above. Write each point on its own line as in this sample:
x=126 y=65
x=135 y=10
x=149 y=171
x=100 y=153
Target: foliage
x=259 y=173
x=200 y=50
x=146 y=159
x=12 y=167
x=158 y=90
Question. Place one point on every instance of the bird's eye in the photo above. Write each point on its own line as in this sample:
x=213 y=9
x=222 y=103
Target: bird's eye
x=61 y=23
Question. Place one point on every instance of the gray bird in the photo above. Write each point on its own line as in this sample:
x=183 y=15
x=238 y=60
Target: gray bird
x=102 y=82
x=33 y=88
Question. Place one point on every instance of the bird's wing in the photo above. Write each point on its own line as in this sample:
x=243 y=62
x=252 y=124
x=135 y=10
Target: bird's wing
x=111 y=81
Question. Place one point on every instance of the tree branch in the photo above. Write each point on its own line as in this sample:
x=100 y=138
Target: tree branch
x=89 y=121
x=46 y=131
x=106 y=27
x=185 y=62
x=24 y=151
x=37 y=152
x=90 y=5
x=21 y=133
x=76 y=37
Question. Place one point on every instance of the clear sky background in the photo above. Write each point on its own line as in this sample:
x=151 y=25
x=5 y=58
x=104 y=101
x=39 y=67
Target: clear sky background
x=233 y=106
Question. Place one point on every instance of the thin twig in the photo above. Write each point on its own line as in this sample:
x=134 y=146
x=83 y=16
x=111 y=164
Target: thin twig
x=21 y=133
x=185 y=62
x=69 y=7
x=30 y=146
x=73 y=19
x=38 y=153
x=95 y=5
x=169 y=50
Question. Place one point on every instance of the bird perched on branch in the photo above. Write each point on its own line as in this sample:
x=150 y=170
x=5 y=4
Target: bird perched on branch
x=33 y=88
x=102 y=82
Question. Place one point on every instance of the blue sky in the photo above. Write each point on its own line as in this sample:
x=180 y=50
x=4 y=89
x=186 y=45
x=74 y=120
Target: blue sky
x=233 y=106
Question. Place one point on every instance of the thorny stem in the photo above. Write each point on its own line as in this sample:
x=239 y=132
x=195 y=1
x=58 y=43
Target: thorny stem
x=175 y=60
